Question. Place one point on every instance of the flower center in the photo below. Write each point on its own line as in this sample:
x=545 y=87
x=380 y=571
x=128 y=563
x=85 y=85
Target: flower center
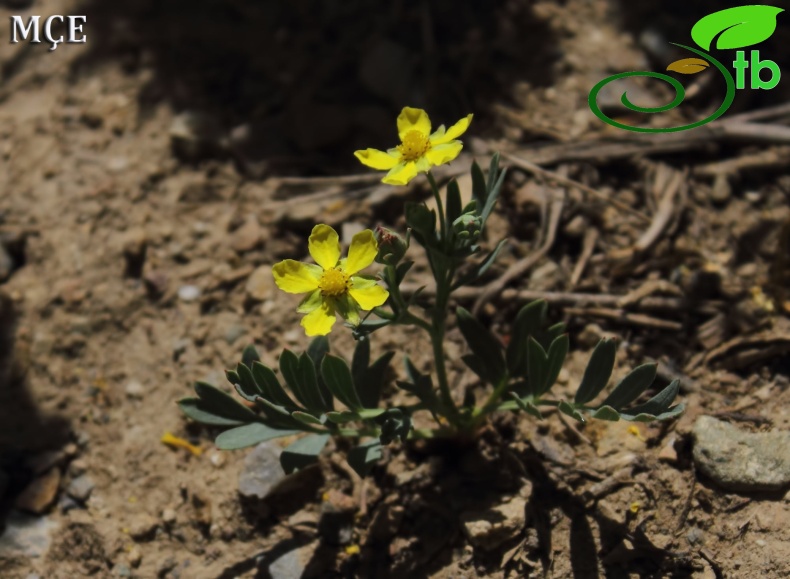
x=414 y=145
x=334 y=282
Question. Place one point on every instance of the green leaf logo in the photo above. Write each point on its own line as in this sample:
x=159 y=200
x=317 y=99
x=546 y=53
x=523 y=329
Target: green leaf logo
x=736 y=27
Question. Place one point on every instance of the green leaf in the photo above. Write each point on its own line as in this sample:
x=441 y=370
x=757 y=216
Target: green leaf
x=630 y=387
x=598 y=371
x=317 y=349
x=659 y=403
x=553 y=331
x=527 y=406
x=371 y=385
x=401 y=270
x=250 y=355
x=421 y=385
x=306 y=418
x=197 y=410
x=422 y=220
x=267 y=380
x=606 y=413
x=289 y=369
x=484 y=345
x=309 y=382
x=453 y=208
x=361 y=360
x=340 y=382
x=394 y=424
x=555 y=358
x=476 y=365
x=303 y=452
x=479 y=186
x=249 y=435
x=342 y=417
x=246 y=384
x=570 y=410
x=739 y=26
x=528 y=322
x=672 y=412
x=362 y=457
x=233 y=377
x=494 y=187
x=481 y=268
x=220 y=403
x=537 y=366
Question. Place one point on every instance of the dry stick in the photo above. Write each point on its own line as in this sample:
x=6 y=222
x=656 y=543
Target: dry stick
x=588 y=247
x=666 y=209
x=668 y=304
x=524 y=264
x=760 y=114
x=774 y=157
x=558 y=179
x=650 y=287
x=627 y=317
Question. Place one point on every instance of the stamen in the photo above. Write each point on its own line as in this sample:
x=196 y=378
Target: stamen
x=415 y=145
x=334 y=282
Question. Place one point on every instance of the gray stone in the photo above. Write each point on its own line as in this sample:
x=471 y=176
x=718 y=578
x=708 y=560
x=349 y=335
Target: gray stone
x=261 y=471
x=739 y=460
x=26 y=536
x=294 y=563
x=234 y=332
x=490 y=528
x=80 y=488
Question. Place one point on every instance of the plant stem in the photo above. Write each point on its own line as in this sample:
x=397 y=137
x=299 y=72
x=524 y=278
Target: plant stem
x=437 y=342
x=493 y=400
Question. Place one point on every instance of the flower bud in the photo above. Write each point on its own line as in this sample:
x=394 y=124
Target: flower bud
x=392 y=247
x=467 y=227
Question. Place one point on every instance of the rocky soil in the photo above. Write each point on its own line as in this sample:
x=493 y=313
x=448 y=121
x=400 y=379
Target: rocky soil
x=150 y=178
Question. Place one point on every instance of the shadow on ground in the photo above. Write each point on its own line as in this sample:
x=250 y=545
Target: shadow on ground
x=319 y=78
x=24 y=431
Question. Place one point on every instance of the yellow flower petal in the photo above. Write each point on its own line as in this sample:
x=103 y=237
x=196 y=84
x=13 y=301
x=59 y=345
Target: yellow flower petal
x=319 y=322
x=401 y=174
x=362 y=252
x=411 y=119
x=453 y=132
x=378 y=159
x=441 y=154
x=368 y=297
x=296 y=277
x=324 y=246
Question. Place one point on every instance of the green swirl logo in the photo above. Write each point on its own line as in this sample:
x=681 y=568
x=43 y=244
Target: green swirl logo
x=732 y=28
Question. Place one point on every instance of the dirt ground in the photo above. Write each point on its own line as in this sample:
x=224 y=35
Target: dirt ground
x=149 y=177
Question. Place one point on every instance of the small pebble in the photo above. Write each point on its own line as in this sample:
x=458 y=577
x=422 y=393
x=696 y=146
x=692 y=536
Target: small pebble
x=80 y=488
x=134 y=389
x=77 y=468
x=135 y=557
x=168 y=516
x=188 y=293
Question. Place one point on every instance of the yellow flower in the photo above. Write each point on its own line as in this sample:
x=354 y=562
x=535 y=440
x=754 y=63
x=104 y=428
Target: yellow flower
x=419 y=149
x=332 y=285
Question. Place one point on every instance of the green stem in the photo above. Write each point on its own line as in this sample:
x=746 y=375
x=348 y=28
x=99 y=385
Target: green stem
x=437 y=342
x=493 y=400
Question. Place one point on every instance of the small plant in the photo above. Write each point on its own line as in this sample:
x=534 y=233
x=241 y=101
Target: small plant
x=325 y=395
